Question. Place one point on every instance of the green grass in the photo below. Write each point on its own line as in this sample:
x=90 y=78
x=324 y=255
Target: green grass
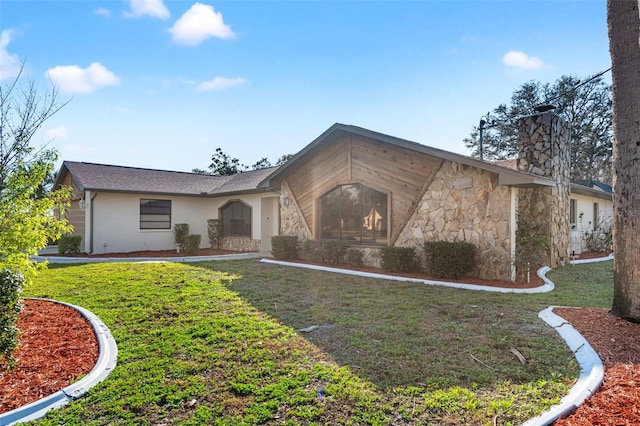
x=222 y=334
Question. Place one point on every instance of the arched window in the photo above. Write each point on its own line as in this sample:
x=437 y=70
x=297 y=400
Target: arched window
x=236 y=219
x=353 y=213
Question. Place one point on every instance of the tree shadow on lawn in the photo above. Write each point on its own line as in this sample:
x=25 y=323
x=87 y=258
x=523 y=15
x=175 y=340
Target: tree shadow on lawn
x=406 y=334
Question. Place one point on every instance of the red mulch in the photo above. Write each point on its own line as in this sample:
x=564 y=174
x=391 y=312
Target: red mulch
x=57 y=345
x=617 y=342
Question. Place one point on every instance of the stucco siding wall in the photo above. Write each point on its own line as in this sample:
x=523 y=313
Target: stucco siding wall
x=116 y=221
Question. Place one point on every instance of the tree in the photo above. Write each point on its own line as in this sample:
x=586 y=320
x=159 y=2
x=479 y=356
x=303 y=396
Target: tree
x=586 y=105
x=263 y=163
x=223 y=165
x=283 y=159
x=624 y=31
x=27 y=219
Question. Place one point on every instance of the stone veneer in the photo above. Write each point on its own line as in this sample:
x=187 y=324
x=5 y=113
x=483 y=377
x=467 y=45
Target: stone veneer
x=291 y=219
x=241 y=244
x=464 y=203
x=545 y=151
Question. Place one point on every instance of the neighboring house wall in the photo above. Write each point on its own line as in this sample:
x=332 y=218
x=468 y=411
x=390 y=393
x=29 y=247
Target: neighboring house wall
x=585 y=207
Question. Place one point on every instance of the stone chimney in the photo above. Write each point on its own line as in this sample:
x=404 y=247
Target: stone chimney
x=544 y=150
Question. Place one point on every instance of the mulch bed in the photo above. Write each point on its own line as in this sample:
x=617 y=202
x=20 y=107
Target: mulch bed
x=57 y=345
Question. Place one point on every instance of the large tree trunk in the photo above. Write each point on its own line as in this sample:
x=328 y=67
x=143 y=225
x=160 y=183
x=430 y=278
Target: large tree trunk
x=624 y=44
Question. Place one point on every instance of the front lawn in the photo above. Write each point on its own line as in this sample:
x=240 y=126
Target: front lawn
x=214 y=343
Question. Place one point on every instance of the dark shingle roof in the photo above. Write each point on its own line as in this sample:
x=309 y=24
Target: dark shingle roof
x=594 y=184
x=102 y=177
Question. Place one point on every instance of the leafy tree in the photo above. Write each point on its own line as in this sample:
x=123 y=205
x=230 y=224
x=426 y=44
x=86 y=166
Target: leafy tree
x=27 y=219
x=263 y=163
x=283 y=159
x=223 y=165
x=624 y=29
x=585 y=105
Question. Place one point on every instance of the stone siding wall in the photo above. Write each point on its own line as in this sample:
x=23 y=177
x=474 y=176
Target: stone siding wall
x=545 y=151
x=241 y=244
x=291 y=219
x=463 y=203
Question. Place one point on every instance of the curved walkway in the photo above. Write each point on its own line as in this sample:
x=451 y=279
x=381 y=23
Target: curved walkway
x=107 y=358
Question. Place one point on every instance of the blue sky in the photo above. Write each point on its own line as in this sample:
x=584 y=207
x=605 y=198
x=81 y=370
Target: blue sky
x=162 y=84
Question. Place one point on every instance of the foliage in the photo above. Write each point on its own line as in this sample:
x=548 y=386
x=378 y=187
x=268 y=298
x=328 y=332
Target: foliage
x=354 y=257
x=191 y=243
x=214 y=231
x=221 y=333
x=312 y=251
x=69 y=243
x=283 y=159
x=224 y=165
x=586 y=106
x=333 y=252
x=449 y=259
x=284 y=247
x=597 y=238
x=532 y=242
x=11 y=283
x=398 y=259
x=27 y=219
x=180 y=230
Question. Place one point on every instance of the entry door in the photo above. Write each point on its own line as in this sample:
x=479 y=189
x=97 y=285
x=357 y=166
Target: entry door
x=269 y=221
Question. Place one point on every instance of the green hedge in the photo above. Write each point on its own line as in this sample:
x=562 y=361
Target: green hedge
x=69 y=243
x=312 y=251
x=284 y=247
x=191 y=243
x=398 y=259
x=354 y=257
x=10 y=288
x=333 y=252
x=449 y=260
x=180 y=230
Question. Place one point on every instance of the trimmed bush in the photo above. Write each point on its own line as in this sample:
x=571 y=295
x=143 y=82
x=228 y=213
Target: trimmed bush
x=284 y=247
x=312 y=251
x=191 y=243
x=354 y=257
x=398 y=259
x=69 y=243
x=333 y=252
x=179 y=232
x=449 y=260
x=214 y=231
x=10 y=288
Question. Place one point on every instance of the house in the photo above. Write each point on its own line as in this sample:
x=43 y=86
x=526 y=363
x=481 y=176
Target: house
x=351 y=184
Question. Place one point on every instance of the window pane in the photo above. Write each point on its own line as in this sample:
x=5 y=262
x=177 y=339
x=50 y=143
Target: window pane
x=155 y=214
x=236 y=219
x=354 y=213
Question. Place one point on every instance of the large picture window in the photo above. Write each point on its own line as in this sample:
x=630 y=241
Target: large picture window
x=236 y=219
x=155 y=214
x=355 y=214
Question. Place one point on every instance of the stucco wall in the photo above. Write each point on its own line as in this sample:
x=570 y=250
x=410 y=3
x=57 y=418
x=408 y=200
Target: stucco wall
x=116 y=221
x=465 y=204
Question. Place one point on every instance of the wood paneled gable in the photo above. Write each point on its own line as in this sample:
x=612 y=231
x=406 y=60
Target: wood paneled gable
x=401 y=173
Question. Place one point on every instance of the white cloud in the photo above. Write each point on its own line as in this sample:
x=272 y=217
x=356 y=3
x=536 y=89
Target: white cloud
x=522 y=60
x=153 y=8
x=199 y=23
x=10 y=65
x=219 y=83
x=101 y=11
x=73 y=79
x=57 y=133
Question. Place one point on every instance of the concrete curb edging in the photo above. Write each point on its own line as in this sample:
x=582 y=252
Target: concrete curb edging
x=591 y=370
x=107 y=358
x=545 y=288
x=62 y=259
x=597 y=259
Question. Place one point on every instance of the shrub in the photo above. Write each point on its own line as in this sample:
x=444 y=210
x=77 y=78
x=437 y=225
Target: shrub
x=354 y=257
x=599 y=239
x=333 y=252
x=284 y=247
x=179 y=232
x=214 y=230
x=398 y=259
x=449 y=259
x=312 y=250
x=69 y=243
x=191 y=243
x=10 y=288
